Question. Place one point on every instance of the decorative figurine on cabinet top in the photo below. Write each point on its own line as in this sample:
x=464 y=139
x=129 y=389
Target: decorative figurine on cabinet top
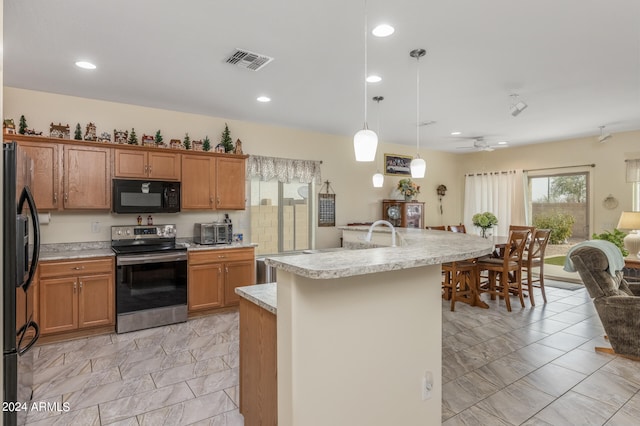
x=59 y=131
x=120 y=136
x=158 y=139
x=206 y=144
x=104 y=137
x=133 y=138
x=197 y=145
x=148 y=140
x=90 y=133
x=238 y=148
x=175 y=144
x=9 y=127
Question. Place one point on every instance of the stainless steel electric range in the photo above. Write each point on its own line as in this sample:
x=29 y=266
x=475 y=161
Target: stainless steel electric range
x=151 y=277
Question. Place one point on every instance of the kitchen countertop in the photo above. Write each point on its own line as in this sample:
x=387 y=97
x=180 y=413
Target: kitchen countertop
x=416 y=247
x=263 y=295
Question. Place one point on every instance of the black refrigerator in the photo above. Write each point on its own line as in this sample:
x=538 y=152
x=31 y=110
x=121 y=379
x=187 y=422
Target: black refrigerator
x=20 y=258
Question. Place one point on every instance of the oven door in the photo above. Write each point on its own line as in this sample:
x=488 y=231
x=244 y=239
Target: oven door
x=150 y=280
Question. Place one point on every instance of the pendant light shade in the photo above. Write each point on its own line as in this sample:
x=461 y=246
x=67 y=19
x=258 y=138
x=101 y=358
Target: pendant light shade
x=365 y=142
x=378 y=180
x=418 y=166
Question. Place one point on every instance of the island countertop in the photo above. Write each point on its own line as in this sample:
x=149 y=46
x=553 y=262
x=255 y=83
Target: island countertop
x=416 y=247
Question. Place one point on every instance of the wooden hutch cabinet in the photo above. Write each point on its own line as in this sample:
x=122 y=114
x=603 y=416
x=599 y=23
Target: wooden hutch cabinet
x=403 y=214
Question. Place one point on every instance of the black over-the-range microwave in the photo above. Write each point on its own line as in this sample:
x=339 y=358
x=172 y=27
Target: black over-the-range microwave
x=145 y=196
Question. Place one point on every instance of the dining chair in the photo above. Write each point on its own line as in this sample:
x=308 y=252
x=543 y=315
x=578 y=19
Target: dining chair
x=459 y=282
x=458 y=228
x=505 y=273
x=533 y=257
x=437 y=228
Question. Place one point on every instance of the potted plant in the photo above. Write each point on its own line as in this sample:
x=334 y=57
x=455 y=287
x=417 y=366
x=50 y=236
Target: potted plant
x=408 y=188
x=484 y=221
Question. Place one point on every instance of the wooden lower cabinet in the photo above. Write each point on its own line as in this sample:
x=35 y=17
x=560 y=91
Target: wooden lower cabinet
x=215 y=274
x=258 y=365
x=75 y=295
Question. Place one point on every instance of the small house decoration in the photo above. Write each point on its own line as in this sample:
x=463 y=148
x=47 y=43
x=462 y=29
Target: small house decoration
x=226 y=141
x=104 y=137
x=120 y=136
x=219 y=148
x=148 y=140
x=206 y=144
x=187 y=141
x=23 y=125
x=197 y=145
x=9 y=127
x=133 y=138
x=175 y=144
x=90 y=132
x=238 y=147
x=158 y=138
x=77 y=135
x=59 y=131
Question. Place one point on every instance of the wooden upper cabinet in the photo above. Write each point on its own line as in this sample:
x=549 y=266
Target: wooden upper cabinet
x=198 y=182
x=147 y=164
x=87 y=177
x=45 y=185
x=230 y=183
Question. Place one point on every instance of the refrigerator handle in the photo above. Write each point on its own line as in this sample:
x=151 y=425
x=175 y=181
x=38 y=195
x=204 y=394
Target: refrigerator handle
x=23 y=331
x=28 y=197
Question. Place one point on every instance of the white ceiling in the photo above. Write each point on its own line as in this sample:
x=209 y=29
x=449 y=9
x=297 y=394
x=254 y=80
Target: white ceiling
x=576 y=63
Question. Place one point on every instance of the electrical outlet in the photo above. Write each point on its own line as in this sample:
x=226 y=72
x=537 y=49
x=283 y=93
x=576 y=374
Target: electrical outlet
x=95 y=227
x=427 y=385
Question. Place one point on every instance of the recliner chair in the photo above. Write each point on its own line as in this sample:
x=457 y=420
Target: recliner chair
x=617 y=302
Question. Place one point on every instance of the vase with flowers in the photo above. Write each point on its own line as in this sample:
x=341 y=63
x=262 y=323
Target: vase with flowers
x=484 y=221
x=408 y=188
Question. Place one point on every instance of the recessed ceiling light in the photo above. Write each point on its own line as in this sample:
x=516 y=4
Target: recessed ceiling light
x=374 y=79
x=85 y=65
x=456 y=133
x=263 y=99
x=383 y=30
x=502 y=143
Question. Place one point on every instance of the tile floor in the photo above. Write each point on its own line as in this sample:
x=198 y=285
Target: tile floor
x=533 y=366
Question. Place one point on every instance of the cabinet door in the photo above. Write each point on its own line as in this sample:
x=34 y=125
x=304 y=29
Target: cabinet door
x=44 y=180
x=198 y=182
x=164 y=165
x=95 y=300
x=87 y=178
x=130 y=164
x=205 y=287
x=230 y=183
x=237 y=274
x=58 y=304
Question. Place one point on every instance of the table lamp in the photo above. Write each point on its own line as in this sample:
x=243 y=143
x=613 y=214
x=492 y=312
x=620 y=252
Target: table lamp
x=630 y=221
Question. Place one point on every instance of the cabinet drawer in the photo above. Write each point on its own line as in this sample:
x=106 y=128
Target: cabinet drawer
x=210 y=256
x=77 y=267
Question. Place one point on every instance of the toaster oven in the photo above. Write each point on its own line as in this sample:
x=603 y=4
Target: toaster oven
x=212 y=233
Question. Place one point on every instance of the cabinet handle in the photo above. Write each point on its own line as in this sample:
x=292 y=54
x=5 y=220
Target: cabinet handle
x=55 y=198
x=66 y=197
x=221 y=256
x=74 y=287
x=149 y=169
x=226 y=269
x=210 y=200
x=80 y=285
x=146 y=169
x=218 y=200
x=78 y=268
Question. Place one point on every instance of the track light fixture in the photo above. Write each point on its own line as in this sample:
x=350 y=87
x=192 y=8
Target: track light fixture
x=603 y=136
x=516 y=106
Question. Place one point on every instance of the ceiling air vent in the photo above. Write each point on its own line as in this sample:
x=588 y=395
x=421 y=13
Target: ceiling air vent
x=249 y=60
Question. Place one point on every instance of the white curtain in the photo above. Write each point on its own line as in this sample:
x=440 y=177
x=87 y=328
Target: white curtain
x=499 y=193
x=633 y=170
x=284 y=169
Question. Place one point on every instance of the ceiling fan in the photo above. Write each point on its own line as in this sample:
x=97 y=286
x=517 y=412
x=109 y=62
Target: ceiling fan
x=479 y=144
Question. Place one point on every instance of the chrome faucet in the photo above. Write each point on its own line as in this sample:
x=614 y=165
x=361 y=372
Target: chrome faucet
x=382 y=222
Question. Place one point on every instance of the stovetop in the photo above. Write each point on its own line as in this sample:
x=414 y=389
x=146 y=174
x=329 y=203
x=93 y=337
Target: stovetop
x=144 y=239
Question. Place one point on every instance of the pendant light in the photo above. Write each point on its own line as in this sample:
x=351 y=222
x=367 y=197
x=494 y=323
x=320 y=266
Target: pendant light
x=378 y=178
x=418 y=165
x=365 y=142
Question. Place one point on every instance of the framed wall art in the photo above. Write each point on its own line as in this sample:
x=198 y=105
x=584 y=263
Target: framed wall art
x=397 y=165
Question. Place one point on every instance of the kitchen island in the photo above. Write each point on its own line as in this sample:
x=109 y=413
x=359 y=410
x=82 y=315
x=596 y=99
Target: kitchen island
x=359 y=332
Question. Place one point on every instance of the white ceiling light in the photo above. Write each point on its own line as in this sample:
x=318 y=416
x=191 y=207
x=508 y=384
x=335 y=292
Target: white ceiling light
x=374 y=79
x=456 y=133
x=383 y=30
x=378 y=178
x=85 y=65
x=263 y=99
x=502 y=143
x=604 y=136
x=418 y=165
x=365 y=141
x=517 y=106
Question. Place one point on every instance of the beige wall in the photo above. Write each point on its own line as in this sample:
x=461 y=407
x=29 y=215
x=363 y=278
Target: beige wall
x=607 y=177
x=356 y=199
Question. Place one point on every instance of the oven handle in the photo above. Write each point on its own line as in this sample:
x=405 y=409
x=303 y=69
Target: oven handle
x=127 y=260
